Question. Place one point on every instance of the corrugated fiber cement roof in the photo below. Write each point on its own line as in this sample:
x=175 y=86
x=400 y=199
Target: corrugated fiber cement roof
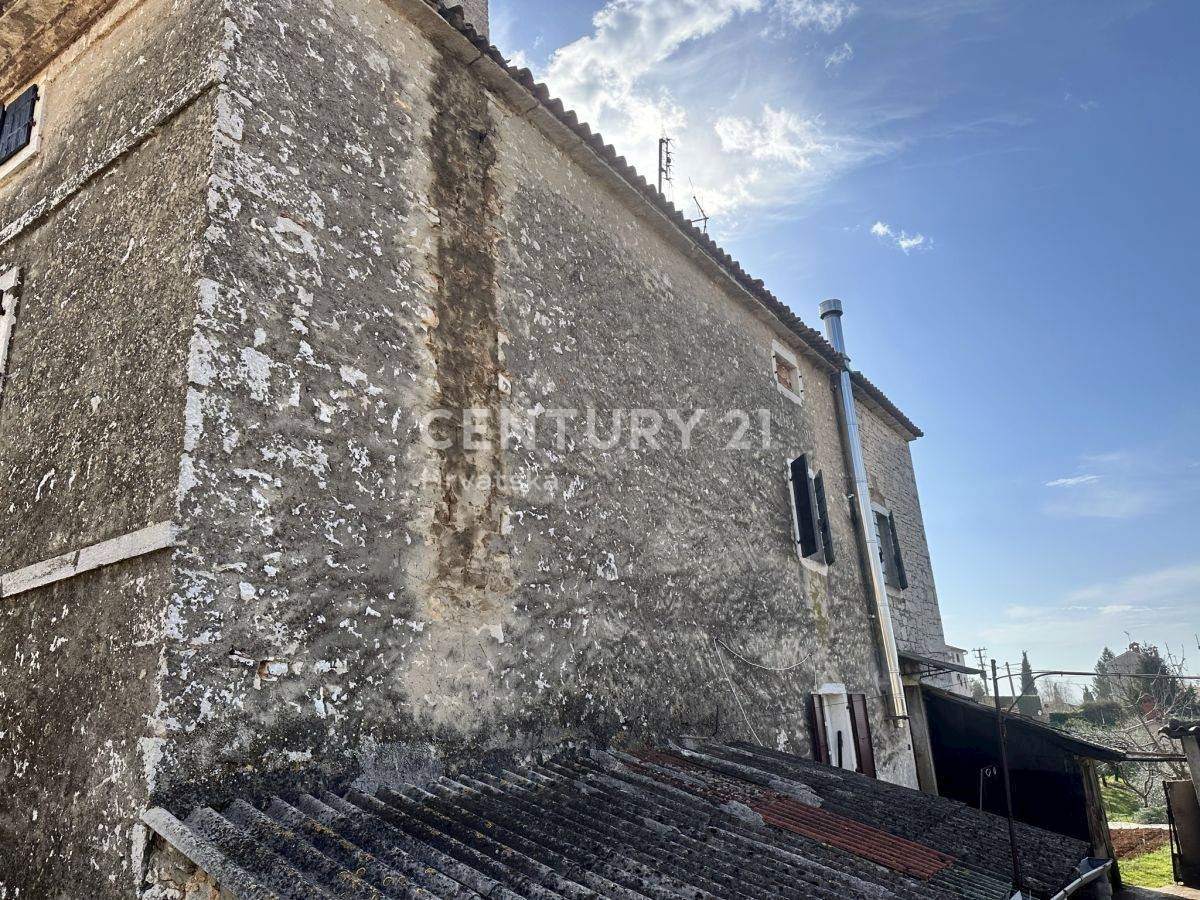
x=714 y=820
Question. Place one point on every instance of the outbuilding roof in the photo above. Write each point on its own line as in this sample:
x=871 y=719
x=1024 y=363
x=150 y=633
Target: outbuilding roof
x=711 y=820
x=539 y=93
x=1178 y=729
x=1031 y=727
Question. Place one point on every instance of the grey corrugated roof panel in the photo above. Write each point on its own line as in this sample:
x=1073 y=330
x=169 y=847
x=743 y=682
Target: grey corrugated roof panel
x=935 y=663
x=979 y=840
x=716 y=820
x=810 y=336
x=1062 y=739
x=1177 y=729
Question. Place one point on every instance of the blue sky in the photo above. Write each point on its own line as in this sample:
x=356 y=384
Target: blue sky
x=1004 y=195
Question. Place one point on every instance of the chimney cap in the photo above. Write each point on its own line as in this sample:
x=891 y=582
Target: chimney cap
x=830 y=308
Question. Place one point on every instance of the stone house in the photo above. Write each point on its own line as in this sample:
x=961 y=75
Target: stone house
x=257 y=257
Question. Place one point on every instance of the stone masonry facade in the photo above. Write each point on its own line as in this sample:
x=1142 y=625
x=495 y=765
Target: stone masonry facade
x=261 y=241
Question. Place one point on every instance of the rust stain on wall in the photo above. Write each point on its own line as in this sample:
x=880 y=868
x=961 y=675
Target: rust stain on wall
x=472 y=567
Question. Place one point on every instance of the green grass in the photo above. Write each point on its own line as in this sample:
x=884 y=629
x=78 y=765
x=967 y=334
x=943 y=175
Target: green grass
x=1120 y=802
x=1153 y=870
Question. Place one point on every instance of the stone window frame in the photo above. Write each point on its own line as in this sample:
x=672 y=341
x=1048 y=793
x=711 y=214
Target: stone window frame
x=782 y=354
x=29 y=151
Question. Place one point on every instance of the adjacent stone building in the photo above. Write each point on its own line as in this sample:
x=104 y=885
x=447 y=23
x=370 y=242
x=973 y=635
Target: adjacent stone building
x=250 y=251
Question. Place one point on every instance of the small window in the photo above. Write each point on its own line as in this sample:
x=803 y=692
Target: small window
x=810 y=512
x=18 y=128
x=841 y=729
x=889 y=550
x=785 y=369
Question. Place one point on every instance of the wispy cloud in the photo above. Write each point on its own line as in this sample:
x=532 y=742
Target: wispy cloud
x=827 y=15
x=899 y=238
x=1161 y=606
x=1073 y=481
x=1172 y=585
x=839 y=57
x=1115 y=485
x=1086 y=105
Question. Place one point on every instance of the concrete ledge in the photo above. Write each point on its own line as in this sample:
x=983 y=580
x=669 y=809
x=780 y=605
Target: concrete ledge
x=127 y=546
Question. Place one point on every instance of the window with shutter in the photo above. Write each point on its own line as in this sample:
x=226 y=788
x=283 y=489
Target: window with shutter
x=897 y=556
x=823 y=516
x=17 y=123
x=831 y=723
x=889 y=550
x=860 y=725
x=804 y=509
x=816 y=728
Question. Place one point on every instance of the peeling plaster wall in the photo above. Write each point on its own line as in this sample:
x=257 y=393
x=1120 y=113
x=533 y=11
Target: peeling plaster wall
x=308 y=228
x=308 y=506
x=388 y=238
x=105 y=224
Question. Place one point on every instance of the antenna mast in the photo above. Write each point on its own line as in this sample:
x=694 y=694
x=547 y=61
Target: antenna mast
x=664 y=161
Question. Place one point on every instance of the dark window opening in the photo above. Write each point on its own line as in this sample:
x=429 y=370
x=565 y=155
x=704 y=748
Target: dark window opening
x=16 y=124
x=889 y=551
x=811 y=511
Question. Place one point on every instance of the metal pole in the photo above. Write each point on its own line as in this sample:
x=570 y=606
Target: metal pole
x=1002 y=735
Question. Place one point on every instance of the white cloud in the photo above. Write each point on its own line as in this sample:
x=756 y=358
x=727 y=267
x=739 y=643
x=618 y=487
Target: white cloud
x=839 y=57
x=900 y=238
x=635 y=78
x=600 y=75
x=1115 y=485
x=1174 y=584
x=1073 y=481
x=827 y=15
x=777 y=136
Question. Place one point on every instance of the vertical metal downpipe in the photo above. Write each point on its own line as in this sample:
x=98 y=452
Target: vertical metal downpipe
x=831 y=315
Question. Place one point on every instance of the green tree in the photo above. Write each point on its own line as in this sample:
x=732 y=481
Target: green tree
x=1028 y=686
x=1102 y=686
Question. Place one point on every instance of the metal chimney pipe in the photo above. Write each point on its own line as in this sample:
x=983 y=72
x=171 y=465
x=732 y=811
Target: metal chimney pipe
x=831 y=315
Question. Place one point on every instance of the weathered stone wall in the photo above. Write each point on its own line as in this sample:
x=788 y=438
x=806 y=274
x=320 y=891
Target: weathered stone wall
x=103 y=223
x=915 y=613
x=277 y=251
x=352 y=595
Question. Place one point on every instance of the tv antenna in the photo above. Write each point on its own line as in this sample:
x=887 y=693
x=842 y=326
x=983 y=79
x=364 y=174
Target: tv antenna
x=703 y=219
x=664 y=161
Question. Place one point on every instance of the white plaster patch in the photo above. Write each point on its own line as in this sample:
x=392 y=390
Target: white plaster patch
x=294 y=238
x=193 y=420
x=256 y=371
x=608 y=569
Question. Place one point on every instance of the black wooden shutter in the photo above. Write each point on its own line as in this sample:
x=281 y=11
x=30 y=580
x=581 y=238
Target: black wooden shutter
x=816 y=728
x=808 y=533
x=901 y=577
x=861 y=726
x=16 y=130
x=823 y=516
x=883 y=528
